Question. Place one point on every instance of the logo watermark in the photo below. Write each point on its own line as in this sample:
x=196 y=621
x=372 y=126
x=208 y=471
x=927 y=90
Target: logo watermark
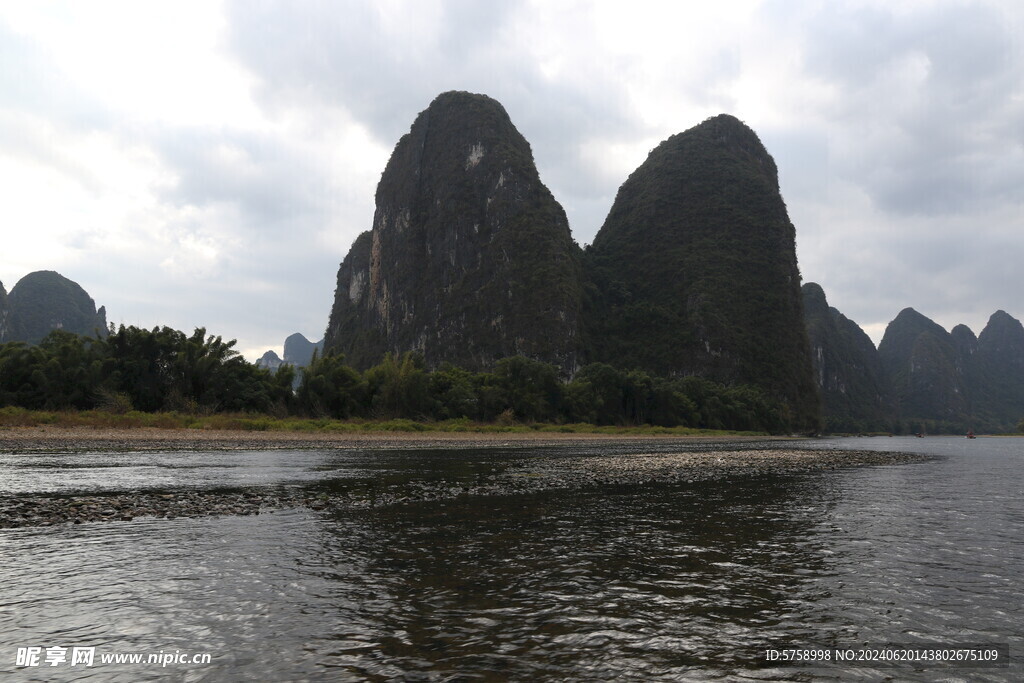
x=57 y=655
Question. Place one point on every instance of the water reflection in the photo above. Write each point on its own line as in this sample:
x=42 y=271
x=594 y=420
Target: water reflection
x=584 y=584
x=653 y=582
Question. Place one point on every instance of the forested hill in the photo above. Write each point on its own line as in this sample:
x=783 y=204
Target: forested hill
x=694 y=271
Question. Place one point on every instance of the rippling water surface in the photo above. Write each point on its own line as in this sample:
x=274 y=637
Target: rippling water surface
x=655 y=582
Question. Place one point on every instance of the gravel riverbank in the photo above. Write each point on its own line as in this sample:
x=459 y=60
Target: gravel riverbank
x=534 y=474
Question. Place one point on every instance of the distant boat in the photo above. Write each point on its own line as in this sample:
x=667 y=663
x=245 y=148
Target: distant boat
x=970 y=434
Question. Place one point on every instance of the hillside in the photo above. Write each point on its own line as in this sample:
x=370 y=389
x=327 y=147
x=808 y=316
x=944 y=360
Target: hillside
x=694 y=271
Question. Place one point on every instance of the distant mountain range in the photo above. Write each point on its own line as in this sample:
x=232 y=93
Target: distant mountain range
x=921 y=378
x=298 y=351
x=470 y=260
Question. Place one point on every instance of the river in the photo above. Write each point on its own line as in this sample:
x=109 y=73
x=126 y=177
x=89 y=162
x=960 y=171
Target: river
x=673 y=581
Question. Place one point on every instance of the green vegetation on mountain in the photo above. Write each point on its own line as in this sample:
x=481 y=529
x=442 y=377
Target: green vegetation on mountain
x=693 y=275
x=44 y=301
x=469 y=300
x=854 y=392
x=921 y=378
x=694 y=272
x=470 y=258
x=920 y=362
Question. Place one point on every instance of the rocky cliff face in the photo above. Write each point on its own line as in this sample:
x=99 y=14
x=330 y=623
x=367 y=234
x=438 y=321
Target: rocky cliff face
x=847 y=368
x=44 y=301
x=469 y=258
x=694 y=271
x=4 y=313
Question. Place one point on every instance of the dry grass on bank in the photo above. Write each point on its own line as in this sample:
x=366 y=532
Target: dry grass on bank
x=12 y=418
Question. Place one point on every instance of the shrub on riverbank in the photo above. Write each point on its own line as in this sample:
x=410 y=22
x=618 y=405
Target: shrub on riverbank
x=161 y=377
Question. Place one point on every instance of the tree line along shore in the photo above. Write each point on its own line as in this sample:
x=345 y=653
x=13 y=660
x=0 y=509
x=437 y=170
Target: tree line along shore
x=163 y=378
x=135 y=377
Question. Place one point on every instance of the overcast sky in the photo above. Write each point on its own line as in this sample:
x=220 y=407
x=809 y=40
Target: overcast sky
x=209 y=163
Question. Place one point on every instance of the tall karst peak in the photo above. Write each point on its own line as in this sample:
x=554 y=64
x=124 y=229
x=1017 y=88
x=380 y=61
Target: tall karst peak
x=965 y=345
x=910 y=316
x=696 y=269
x=924 y=365
x=1001 y=345
x=903 y=332
x=999 y=369
x=963 y=335
x=299 y=351
x=814 y=297
x=46 y=300
x=469 y=258
x=1002 y=328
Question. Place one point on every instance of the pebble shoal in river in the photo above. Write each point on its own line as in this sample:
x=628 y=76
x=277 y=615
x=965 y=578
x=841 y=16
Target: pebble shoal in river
x=528 y=476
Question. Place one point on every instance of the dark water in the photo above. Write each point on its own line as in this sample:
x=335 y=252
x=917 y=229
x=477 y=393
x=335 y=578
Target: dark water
x=660 y=582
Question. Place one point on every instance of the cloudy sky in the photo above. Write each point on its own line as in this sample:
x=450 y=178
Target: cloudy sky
x=209 y=163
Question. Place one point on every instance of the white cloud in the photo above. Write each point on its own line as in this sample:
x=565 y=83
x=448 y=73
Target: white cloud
x=209 y=163
x=149 y=62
